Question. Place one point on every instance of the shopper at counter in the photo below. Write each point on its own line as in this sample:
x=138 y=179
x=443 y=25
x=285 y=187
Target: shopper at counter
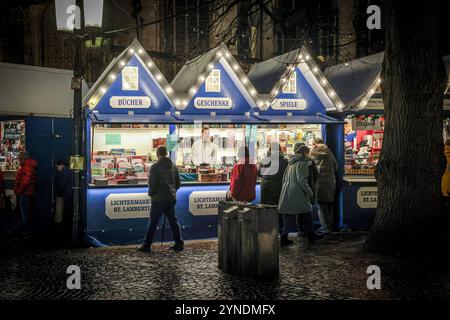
x=326 y=183
x=25 y=188
x=164 y=181
x=271 y=171
x=296 y=195
x=203 y=150
x=243 y=177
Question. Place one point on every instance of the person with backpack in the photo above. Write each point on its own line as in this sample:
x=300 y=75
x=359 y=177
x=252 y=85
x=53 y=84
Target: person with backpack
x=164 y=181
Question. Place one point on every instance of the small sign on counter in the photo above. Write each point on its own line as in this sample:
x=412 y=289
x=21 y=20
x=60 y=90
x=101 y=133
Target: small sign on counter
x=367 y=197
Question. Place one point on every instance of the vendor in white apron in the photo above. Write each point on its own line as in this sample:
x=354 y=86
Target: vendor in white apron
x=203 y=150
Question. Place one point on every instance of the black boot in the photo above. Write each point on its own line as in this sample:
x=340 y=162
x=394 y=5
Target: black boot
x=177 y=247
x=312 y=237
x=285 y=241
x=145 y=248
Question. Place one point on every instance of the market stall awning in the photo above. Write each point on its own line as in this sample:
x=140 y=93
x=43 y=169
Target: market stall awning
x=133 y=118
x=220 y=118
x=311 y=119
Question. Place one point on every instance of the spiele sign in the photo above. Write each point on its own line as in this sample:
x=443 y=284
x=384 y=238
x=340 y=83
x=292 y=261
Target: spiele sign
x=289 y=104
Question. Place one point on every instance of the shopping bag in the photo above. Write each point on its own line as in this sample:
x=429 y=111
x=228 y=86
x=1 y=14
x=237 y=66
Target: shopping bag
x=59 y=209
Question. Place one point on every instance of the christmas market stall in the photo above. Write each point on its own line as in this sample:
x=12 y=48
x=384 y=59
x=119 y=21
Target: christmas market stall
x=358 y=84
x=210 y=109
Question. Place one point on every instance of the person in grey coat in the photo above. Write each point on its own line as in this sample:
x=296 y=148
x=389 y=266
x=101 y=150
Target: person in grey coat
x=326 y=183
x=296 y=195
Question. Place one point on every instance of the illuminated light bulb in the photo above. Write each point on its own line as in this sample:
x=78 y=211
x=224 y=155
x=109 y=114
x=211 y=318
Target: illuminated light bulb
x=372 y=91
x=346 y=64
x=210 y=66
x=307 y=58
x=192 y=90
x=253 y=92
x=324 y=81
x=149 y=64
x=267 y=104
x=315 y=69
x=339 y=105
x=158 y=77
x=112 y=76
x=219 y=54
x=227 y=55
x=260 y=103
x=185 y=102
x=244 y=80
x=276 y=92
x=235 y=67
x=177 y=102
x=140 y=51
x=331 y=93
x=201 y=78
x=122 y=63
x=169 y=90
x=379 y=80
x=103 y=89
x=300 y=56
x=131 y=51
x=283 y=80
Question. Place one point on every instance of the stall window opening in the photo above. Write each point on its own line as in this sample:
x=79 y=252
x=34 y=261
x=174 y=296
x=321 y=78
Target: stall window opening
x=130 y=78
x=212 y=82
x=203 y=153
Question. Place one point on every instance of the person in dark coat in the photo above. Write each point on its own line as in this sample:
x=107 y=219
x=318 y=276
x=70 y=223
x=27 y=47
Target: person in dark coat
x=64 y=197
x=164 y=181
x=25 y=188
x=271 y=171
x=312 y=179
x=326 y=183
x=296 y=195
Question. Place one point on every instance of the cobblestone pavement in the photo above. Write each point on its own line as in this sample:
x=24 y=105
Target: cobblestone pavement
x=334 y=268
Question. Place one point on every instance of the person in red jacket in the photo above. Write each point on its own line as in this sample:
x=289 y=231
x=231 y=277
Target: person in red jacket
x=243 y=178
x=25 y=187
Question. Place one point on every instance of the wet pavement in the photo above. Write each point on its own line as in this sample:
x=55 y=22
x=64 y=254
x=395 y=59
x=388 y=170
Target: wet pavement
x=334 y=268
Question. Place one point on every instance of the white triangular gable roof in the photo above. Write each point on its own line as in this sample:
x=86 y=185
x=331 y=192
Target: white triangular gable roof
x=108 y=77
x=270 y=75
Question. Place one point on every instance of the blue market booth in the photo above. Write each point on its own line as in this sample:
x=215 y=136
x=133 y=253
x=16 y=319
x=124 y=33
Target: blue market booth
x=132 y=110
x=357 y=83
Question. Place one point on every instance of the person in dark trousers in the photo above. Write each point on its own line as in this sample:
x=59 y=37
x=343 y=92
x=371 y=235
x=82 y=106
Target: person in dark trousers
x=25 y=188
x=271 y=171
x=164 y=181
x=2 y=192
x=312 y=179
x=243 y=177
x=296 y=196
x=326 y=183
x=64 y=198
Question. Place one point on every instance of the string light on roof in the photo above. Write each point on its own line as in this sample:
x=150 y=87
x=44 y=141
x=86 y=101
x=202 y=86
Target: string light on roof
x=140 y=51
x=158 y=77
x=102 y=89
x=235 y=66
x=169 y=90
x=201 y=78
x=300 y=56
x=122 y=63
x=149 y=64
x=112 y=76
x=244 y=80
x=307 y=57
x=331 y=93
x=227 y=55
x=219 y=53
x=252 y=91
x=210 y=66
x=131 y=50
x=379 y=80
x=323 y=81
x=192 y=90
x=315 y=69
x=177 y=102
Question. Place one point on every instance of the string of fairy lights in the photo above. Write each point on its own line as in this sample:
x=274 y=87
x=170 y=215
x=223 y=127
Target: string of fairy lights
x=180 y=100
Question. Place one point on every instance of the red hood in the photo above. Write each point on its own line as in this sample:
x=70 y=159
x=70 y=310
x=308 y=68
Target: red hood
x=30 y=163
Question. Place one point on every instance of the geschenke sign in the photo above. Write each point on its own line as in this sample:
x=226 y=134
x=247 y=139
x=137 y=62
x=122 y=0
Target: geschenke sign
x=367 y=197
x=127 y=205
x=132 y=102
x=213 y=103
x=289 y=104
x=206 y=203
x=366 y=124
